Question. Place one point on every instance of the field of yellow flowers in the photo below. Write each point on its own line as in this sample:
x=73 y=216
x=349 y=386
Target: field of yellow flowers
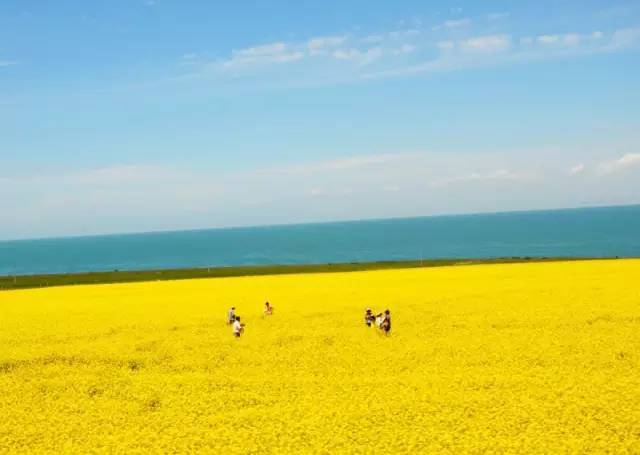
x=516 y=358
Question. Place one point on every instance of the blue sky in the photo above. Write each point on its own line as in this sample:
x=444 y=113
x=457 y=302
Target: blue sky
x=138 y=115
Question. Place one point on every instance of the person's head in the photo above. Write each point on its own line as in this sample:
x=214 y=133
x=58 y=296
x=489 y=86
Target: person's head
x=387 y=312
x=368 y=310
x=238 y=318
x=233 y=308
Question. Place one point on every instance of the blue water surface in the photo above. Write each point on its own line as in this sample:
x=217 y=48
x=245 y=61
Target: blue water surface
x=605 y=231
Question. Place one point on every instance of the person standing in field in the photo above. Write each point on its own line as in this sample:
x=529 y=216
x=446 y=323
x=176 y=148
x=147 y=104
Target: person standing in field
x=386 y=322
x=268 y=309
x=238 y=327
x=379 y=319
x=369 y=318
x=231 y=316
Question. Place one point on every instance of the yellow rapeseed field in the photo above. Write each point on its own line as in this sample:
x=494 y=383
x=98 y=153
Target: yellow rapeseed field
x=535 y=358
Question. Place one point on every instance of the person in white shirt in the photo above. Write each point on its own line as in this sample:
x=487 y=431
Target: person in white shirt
x=238 y=327
x=379 y=320
x=231 y=316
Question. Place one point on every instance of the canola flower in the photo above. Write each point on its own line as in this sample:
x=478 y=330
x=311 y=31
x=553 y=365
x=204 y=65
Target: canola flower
x=520 y=358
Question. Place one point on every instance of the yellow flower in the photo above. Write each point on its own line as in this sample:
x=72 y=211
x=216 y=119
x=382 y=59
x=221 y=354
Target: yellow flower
x=538 y=358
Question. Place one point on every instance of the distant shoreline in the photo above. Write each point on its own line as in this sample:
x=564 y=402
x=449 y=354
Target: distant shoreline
x=15 y=282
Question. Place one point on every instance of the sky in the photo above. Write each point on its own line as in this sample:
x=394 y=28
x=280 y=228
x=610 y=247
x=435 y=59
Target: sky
x=147 y=115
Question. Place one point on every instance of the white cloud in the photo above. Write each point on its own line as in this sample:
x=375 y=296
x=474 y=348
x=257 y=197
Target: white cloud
x=629 y=159
x=373 y=39
x=567 y=39
x=625 y=38
x=497 y=16
x=497 y=175
x=452 y=24
x=290 y=57
x=577 y=169
x=486 y=44
x=278 y=52
x=500 y=49
x=401 y=53
x=446 y=45
x=400 y=34
x=143 y=197
x=362 y=57
x=371 y=55
x=405 y=49
x=346 y=54
x=336 y=47
x=625 y=162
x=342 y=164
x=99 y=176
x=262 y=50
x=189 y=59
x=118 y=174
x=571 y=39
x=548 y=39
x=593 y=42
x=322 y=42
x=456 y=23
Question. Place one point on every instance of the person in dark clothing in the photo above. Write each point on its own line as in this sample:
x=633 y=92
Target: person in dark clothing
x=386 y=322
x=369 y=318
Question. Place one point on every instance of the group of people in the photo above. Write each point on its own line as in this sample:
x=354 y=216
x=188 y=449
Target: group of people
x=234 y=320
x=381 y=320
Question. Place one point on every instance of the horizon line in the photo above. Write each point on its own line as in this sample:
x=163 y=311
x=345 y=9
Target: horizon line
x=306 y=223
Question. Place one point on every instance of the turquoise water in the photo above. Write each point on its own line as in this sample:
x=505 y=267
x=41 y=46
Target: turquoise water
x=607 y=231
